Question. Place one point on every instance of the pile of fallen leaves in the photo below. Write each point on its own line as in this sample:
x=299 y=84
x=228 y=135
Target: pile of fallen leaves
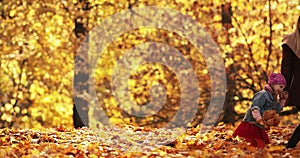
x=140 y=142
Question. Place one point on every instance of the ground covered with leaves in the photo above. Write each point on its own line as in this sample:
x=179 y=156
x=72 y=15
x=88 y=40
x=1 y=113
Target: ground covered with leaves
x=139 y=142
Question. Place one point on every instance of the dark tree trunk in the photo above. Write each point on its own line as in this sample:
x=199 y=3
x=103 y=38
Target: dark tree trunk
x=80 y=85
x=81 y=76
x=229 y=115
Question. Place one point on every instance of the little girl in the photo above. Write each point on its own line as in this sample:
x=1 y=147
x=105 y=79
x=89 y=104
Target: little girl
x=266 y=99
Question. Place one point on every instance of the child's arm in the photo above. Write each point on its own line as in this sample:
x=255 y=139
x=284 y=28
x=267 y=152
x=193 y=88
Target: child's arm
x=259 y=100
x=256 y=114
x=258 y=117
x=283 y=97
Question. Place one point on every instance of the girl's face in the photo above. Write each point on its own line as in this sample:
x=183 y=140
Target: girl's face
x=278 y=88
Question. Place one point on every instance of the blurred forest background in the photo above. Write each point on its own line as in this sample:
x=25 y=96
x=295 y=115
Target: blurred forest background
x=39 y=41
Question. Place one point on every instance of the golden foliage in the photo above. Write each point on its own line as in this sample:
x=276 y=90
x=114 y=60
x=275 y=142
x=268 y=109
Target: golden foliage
x=38 y=46
x=84 y=142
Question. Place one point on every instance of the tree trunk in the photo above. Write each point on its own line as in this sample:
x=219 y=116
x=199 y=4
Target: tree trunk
x=81 y=76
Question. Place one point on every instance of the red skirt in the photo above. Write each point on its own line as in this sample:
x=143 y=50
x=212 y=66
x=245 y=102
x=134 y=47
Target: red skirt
x=251 y=132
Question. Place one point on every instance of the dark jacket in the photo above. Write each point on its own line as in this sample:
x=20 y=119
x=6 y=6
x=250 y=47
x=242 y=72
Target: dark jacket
x=290 y=68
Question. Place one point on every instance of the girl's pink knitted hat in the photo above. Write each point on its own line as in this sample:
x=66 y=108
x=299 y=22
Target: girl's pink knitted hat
x=276 y=78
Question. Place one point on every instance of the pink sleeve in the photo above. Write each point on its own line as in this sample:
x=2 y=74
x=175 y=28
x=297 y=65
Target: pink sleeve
x=256 y=115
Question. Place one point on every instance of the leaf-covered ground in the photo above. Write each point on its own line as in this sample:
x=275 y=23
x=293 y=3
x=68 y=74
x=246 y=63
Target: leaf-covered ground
x=139 y=142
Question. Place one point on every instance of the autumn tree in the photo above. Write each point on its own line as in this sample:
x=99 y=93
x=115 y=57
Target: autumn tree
x=39 y=42
x=35 y=64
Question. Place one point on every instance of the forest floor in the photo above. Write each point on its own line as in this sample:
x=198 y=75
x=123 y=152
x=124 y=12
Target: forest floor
x=141 y=142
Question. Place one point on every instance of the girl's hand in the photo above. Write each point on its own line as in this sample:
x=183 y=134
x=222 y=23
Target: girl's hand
x=256 y=115
x=264 y=124
x=283 y=97
x=282 y=102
